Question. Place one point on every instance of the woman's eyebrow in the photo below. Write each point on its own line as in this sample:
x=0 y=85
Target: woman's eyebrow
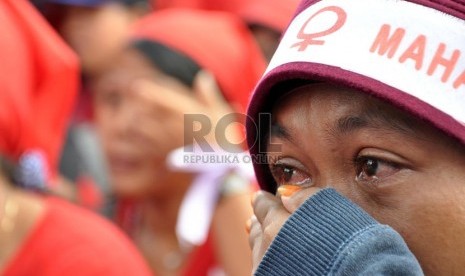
x=276 y=131
x=348 y=124
x=279 y=131
x=375 y=120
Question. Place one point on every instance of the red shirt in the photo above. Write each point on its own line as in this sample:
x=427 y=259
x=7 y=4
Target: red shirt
x=68 y=240
x=202 y=261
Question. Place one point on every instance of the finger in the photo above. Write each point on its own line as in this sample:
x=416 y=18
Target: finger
x=255 y=242
x=255 y=232
x=292 y=198
x=160 y=97
x=262 y=202
x=267 y=206
x=207 y=90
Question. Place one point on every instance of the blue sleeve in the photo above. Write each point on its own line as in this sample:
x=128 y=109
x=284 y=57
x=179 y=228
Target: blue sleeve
x=329 y=235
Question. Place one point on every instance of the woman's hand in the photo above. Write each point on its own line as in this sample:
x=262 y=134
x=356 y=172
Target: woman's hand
x=165 y=106
x=270 y=214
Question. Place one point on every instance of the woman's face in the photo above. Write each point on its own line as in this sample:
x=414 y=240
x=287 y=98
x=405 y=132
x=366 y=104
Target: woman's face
x=400 y=170
x=96 y=34
x=136 y=135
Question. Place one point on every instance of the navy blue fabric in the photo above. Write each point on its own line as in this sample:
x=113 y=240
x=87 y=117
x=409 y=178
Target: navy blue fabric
x=329 y=235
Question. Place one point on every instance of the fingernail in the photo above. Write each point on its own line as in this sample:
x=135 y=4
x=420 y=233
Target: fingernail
x=288 y=190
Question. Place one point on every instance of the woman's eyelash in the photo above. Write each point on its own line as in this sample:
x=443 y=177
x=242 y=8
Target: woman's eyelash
x=278 y=168
x=370 y=170
x=289 y=174
x=360 y=160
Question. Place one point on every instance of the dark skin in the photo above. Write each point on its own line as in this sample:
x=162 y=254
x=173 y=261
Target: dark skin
x=400 y=170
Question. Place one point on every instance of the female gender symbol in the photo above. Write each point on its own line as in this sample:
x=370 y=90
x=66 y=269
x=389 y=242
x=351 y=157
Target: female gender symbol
x=309 y=38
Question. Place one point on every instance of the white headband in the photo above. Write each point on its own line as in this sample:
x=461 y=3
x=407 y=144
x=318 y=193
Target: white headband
x=413 y=48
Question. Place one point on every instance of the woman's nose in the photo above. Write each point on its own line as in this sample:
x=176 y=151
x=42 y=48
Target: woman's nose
x=125 y=119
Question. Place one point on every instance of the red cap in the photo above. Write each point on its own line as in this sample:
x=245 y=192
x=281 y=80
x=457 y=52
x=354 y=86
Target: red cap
x=274 y=14
x=166 y=4
x=219 y=42
x=215 y=5
x=38 y=80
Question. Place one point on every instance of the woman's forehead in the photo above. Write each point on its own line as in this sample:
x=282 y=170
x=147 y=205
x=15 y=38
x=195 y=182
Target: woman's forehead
x=322 y=97
x=342 y=109
x=129 y=65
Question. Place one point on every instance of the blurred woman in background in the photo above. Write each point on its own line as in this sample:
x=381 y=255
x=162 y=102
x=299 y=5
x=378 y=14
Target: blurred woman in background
x=187 y=219
x=39 y=234
x=96 y=31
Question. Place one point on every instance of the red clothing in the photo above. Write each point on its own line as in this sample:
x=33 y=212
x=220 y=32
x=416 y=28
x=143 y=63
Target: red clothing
x=202 y=261
x=215 y=5
x=219 y=42
x=38 y=83
x=70 y=241
x=274 y=14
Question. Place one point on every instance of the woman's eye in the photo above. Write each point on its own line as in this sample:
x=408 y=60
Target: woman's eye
x=370 y=169
x=288 y=175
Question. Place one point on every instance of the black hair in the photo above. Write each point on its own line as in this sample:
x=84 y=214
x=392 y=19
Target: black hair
x=169 y=61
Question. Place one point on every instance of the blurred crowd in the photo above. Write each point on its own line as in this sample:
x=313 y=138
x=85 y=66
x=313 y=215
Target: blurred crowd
x=94 y=96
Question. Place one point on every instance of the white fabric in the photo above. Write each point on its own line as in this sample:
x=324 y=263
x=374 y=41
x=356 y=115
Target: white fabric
x=199 y=203
x=342 y=33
